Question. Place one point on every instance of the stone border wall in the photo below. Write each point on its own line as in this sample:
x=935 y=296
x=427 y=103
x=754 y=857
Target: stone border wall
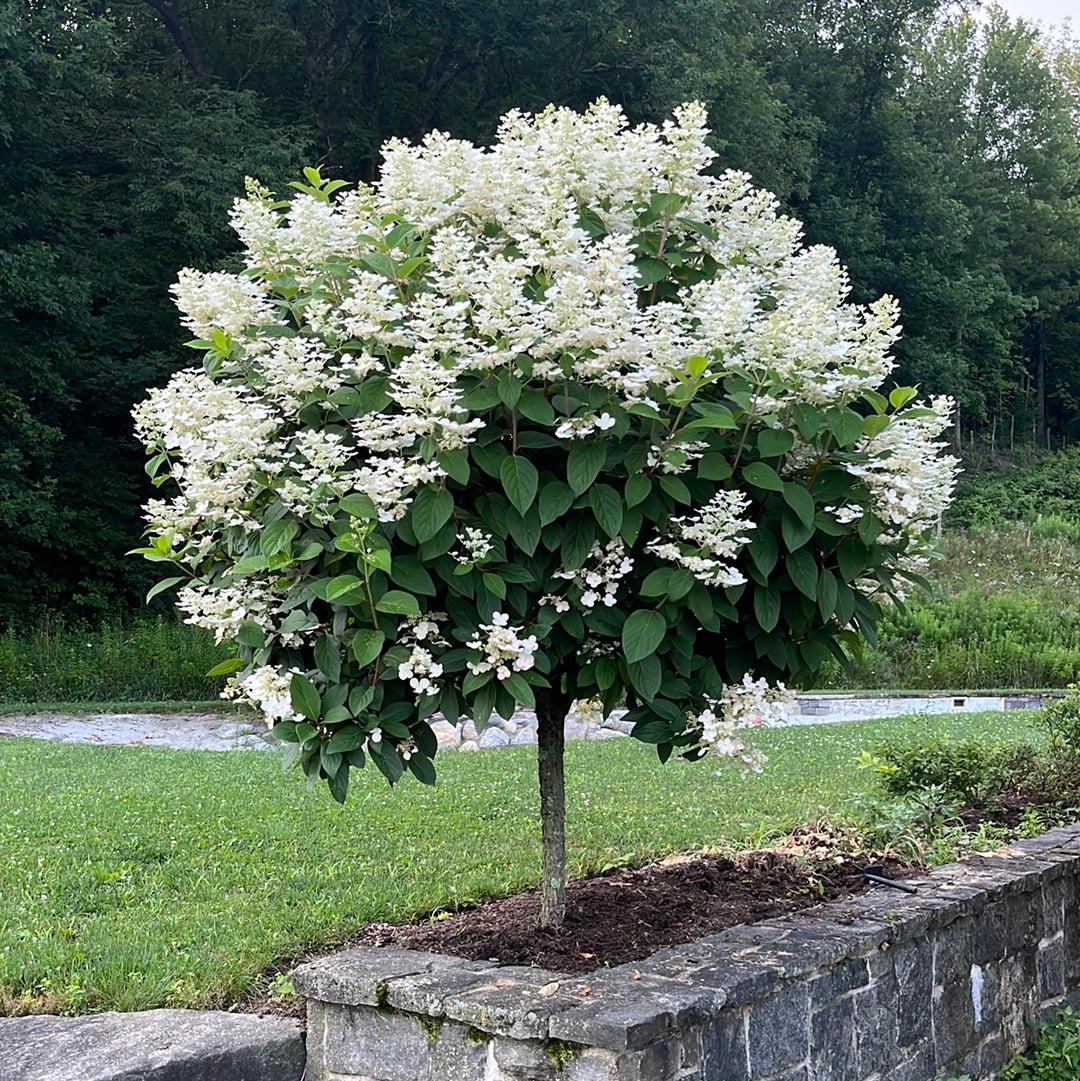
x=883 y=987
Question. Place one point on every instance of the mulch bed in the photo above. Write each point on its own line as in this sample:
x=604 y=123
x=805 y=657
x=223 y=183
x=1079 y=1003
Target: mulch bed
x=625 y=916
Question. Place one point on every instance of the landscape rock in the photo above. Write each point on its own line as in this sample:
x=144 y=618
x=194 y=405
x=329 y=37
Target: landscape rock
x=155 y=1045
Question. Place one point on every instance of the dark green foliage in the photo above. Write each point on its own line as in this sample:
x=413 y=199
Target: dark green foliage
x=972 y=773
x=1047 y=487
x=151 y=660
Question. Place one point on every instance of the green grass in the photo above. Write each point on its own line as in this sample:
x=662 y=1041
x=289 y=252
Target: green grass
x=133 y=878
x=143 y=705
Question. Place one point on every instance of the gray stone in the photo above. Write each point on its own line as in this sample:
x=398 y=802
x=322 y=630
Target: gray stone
x=359 y=977
x=832 y=1042
x=779 y=1031
x=156 y=1045
x=622 y=1013
x=492 y=737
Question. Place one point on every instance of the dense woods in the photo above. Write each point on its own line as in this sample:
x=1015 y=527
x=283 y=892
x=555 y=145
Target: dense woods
x=937 y=150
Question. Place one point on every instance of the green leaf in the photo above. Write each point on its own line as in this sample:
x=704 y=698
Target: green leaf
x=495 y=585
x=656 y=584
x=773 y=442
x=398 y=603
x=345 y=589
x=247 y=565
x=583 y=463
x=642 y=633
x=876 y=401
x=852 y=559
x=764 y=476
x=555 y=500
x=826 y=594
x=455 y=464
x=763 y=550
x=652 y=731
x=637 y=489
x=577 y=542
x=251 y=635
x=509 y=387
x=164 y=584
x=277 y=537
x=339 y=782
x=430 y=511
x=422 y=768
x=387 y=760
x=767 y=607
x=226 y=668
x=328 y=657
x=358 y=505
x=304 y=698
x=607 y=508
x=800 y=501
x=803 y=571
x=713 y=466
x=874 y=425
x=794 y=530
x=807 y=419
x=347 y=739
x=845 y=425
x=520 y=481
x=520 y=689
x=676 y=489
x=536 y=407
x=900 y=396
x=646 y=676
x=409 y=573
x=650 y=271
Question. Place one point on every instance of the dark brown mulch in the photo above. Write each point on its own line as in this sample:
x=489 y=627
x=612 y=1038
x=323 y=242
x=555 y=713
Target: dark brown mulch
x=626 y=916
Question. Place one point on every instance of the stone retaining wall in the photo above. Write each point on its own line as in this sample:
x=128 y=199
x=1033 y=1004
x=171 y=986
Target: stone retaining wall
x=883 y=987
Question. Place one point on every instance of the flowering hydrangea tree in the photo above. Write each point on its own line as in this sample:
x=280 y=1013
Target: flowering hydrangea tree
x=566 y=418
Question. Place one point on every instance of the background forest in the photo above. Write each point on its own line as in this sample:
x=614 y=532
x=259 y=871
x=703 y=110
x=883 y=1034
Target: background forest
x=938 y=150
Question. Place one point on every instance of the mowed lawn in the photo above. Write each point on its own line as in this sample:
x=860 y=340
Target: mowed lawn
x=136 y=877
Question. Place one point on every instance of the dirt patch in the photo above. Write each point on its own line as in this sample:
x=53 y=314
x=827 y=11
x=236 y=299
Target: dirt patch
x=625 y=916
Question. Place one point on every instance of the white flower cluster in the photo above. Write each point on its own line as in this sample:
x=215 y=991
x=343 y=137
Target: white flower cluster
x=224 y=609
x=599 y=578
x=910 y=480
x=710 y=540
x=476 y=545
x=267 y=689
x=503 y=648
x=578 y=427
x=746 y=705
x=226 y=302
x=421 y=670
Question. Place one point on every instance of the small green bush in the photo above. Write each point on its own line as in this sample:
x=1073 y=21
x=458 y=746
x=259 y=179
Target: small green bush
x=1060 y=720
x=971 y=773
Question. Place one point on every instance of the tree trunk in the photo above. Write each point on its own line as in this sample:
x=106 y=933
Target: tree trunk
x=170 y=15
x=1041 y=429
x=551 y=710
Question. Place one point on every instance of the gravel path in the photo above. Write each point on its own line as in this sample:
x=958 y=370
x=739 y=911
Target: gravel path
x=192 y=731
x=223 y=732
